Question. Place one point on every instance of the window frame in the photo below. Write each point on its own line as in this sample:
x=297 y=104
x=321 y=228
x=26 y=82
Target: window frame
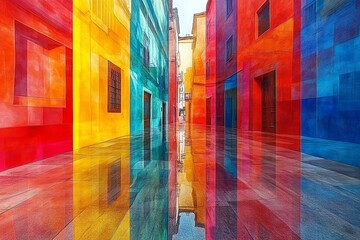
x=146 y=51
x=261 y=9
x=229 y=7
x=114 y=107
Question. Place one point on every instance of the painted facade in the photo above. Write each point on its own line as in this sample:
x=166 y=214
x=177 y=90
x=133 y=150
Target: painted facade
x=244 y=55
x=330 y=64
x=101 y=48
x=149 y=64
x=268 y=67
x=36 y=109
x=211 y=62
x=174 y=63
x=198 y=91
x=226 y=63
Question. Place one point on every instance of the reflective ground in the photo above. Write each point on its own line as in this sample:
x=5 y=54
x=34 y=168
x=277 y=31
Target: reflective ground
x=187 y=182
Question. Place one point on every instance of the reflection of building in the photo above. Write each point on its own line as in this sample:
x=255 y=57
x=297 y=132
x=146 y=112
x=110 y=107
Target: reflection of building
x=150 y=191
x=181 y=97
x=101 y=187
x=149 y=64
x=174 y=63
x=101 y=70
x=191 y=178
x=36 y=108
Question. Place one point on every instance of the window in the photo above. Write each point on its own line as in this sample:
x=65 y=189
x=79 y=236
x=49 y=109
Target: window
x=100 y=13
x=229 y=48
x=229 y=7
x=114 y=90
x=146 y=52
x=263 y=18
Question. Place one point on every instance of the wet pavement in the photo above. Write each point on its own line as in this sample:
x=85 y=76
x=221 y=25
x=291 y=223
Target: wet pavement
x=183 y=182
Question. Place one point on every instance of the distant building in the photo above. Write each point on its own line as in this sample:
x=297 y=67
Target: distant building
x=186 y=71
x=174 y=63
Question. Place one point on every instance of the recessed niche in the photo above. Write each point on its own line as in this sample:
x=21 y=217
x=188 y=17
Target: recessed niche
x=40 y=69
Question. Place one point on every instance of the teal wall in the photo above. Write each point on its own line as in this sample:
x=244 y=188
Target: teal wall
x=149 y=17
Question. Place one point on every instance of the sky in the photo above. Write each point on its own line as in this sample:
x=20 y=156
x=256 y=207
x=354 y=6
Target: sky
x=186 y=9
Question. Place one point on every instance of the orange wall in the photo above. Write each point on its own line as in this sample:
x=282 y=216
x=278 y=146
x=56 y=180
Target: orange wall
x=198 y=101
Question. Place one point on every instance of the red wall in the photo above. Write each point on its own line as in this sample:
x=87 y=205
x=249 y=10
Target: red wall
x=226 y=26
x=272 y=51
x=36 y=72
x=211 y=60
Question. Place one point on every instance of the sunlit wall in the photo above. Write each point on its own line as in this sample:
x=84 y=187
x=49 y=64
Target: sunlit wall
x=101 y=46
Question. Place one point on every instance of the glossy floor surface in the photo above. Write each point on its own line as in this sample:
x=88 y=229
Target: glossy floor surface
x=185 y=182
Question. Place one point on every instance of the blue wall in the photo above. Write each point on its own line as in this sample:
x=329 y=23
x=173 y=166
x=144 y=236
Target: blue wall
x=330 y=73
x=150 y=19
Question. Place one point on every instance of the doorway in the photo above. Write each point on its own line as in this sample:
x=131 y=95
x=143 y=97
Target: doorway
x=164 y=114
x=231 y=108
x=147 y=126
x=268 y=102
x=147 y=110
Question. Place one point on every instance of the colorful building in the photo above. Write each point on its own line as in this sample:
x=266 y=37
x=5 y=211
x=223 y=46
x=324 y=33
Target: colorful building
x=226 y=62
x=186 y=71
x=198 y=91
x=269 y=66
x=330 y=62
x=36 y=102
x=211 y=62
x=101 y=70
x=174 y=63
x=149 y=64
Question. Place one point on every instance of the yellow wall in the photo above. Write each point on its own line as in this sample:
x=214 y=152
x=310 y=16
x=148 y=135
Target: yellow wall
x=99 y=35
x=185 y=49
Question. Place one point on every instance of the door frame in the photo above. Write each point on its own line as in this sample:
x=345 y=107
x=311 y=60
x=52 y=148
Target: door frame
x=143 y=115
